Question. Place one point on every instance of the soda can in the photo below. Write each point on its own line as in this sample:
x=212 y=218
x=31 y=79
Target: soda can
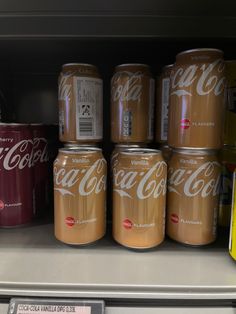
x=193 y=196
x=197 y=100
x=132 y=104
x=80 y=195
x=228 y=160
x=139 y=198
x=80 y=103
x=16 y=180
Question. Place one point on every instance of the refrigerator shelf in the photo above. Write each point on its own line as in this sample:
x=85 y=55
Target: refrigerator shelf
x=34 y=263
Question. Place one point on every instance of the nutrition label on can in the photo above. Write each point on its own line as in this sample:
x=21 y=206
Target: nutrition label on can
x=164 y=108
x=89 y=107
x=127 y=123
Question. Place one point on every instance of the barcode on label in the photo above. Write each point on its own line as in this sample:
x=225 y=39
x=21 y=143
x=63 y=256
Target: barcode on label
x=165 y=91
x=86 y=126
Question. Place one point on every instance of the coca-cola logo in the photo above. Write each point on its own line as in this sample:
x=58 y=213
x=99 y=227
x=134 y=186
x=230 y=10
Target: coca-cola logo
x=70 y=221
x=2 y=205
x=174 y=218
x=204 y=181
x=184 y=124
x=64 y=89
x=18 y=156
x=91 y=180
x=202 y=75
x=130 y=90
x=40 y=150
x=127 y=224
x=150 y=183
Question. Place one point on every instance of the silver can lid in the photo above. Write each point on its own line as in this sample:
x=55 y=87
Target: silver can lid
x=80 y=150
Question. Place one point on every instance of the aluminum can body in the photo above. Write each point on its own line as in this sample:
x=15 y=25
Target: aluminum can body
x=139 y=198
x=197 y=100
x=193 y=195
x=80 y=195
x=16 y=180
x=80 y=104
x=132 y=104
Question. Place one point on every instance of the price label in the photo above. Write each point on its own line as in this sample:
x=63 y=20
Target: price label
x=55 y=306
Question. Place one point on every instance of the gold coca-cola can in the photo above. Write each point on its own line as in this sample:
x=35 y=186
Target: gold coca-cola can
x=132 y=104
x=139 y=198
x=80 y=195
x=80 y=94
x=197 y=100
x=123 y=147
x=162 y=103
x=193 y=196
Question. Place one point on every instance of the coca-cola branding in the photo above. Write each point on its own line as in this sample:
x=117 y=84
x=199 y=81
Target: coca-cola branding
x=149 y=183
x=64 y=88
x=192 y=198
x=197 y=98
x=89 y=181
x=132 y=101
x=40 y=150
x=139 y=188
x=208 y=78
x=131 y=90
x=195 y=182
x=18 y=156
x=79 y=195
x=16 y=165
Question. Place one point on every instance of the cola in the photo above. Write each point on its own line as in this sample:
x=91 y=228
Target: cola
x=16 y=180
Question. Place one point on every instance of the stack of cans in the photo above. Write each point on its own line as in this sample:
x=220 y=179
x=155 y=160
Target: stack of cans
x=139 y=173
x=80 y=169
x=195 y=134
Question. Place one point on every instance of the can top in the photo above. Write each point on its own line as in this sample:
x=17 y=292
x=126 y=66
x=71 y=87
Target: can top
x=199 y=50
x=80 y=150
x=195 y=151
x=81 y=69
x=78 y=65
x=141 y=151
x=168 y=66
x=77 y=146
x=140 y=65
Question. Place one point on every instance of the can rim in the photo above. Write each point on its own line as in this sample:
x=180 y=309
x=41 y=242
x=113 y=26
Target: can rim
x=132 y=64
x=78 y=146
x=167 y=66
x=79 y=64
x=13 y=124
x=199 y=49
x=141 y=151
x=128 y=146
x=194 y=151
x=81 y=150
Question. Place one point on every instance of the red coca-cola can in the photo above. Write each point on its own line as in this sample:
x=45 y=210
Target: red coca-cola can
x=16 y=181
x=40 y=169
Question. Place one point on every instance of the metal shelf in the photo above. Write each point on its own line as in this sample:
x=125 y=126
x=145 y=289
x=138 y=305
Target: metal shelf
x=34 y=263
x=114 y=19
